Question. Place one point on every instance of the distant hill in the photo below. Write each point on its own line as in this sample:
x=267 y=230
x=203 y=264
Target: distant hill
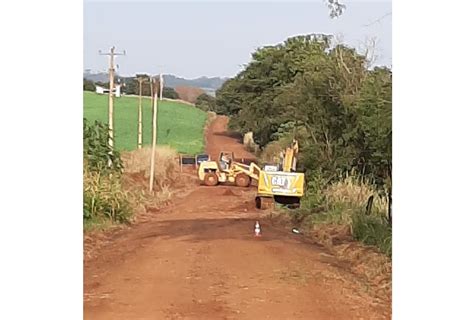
x=201 y=82
x=210 y=85
x=96 y=77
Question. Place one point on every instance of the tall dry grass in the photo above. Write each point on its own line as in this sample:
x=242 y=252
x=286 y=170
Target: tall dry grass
x=211 y=116
x=343 y=203
x=104 y=200
x=166 y=164
x=354 y=192
x=348 y=199
x=137 y=173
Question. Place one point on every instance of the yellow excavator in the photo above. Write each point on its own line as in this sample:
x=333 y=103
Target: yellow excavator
x=275 y=182
x=283 y=185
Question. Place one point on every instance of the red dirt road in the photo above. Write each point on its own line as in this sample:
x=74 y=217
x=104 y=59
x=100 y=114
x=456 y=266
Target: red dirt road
x=218 y=140
x=198 y=259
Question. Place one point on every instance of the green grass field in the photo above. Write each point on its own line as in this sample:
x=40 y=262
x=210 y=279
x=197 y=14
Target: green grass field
x=179 y=125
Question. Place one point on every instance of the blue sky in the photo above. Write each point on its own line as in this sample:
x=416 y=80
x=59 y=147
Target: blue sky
x=192 y=39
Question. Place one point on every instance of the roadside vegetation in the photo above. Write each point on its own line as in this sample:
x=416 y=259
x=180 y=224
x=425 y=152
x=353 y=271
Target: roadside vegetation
x=116 y=181
x=206 y=102
x=137 y=164
x=180 y=126
x=352 y=202
x=115 y=186
x=104 y=200
x=328 y=97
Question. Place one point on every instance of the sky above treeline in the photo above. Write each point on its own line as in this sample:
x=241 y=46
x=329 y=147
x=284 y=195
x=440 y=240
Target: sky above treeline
x=193 y=39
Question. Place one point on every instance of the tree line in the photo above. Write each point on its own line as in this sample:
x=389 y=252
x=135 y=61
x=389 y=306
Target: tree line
x=130 y=86
x=321 y=93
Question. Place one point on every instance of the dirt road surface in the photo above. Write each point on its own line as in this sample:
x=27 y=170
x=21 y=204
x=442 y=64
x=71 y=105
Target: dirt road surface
x=199 y=259
x=218 y=139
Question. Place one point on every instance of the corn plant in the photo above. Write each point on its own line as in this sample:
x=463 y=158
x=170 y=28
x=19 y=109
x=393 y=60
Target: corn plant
x=103 y=197
x=97 y=153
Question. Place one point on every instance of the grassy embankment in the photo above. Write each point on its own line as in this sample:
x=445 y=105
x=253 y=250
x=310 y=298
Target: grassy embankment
x=180 y=126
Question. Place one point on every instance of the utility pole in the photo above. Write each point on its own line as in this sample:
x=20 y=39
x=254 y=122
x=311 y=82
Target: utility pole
x=161 y=86
x=151 y=98
x=111 y=55
x=153 y=143
x=140 y=112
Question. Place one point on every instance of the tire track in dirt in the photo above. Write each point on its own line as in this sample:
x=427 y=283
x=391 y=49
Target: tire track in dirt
x=198 y=259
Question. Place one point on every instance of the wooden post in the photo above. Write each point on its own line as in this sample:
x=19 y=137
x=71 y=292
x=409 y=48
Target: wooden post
x=153 y=143
x=161 y=86
x=111 y=98
x=111 y=55
x=140 y=116
x=151 y=97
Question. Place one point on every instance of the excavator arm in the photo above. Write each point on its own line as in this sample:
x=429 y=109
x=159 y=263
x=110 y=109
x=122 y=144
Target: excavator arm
x=251 y=170
x=289 y=160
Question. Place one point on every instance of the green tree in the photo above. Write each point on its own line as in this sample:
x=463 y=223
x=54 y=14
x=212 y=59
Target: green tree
x=374 y=112
x=206 y=102
x=170 y=93
x=88 y=85
x=323 y=95
x=250 y=97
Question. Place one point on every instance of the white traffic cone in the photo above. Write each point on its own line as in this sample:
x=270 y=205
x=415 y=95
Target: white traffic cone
x=257 y=229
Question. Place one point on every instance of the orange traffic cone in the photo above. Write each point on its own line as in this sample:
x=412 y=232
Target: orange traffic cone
x=257 y=229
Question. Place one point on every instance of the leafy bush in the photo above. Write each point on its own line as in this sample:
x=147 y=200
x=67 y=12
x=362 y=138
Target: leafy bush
x=206 y=102
x=103 y=196
x=88 y=85
x=373 y=230
x=344 y=202
x=170 y=93
x=96 y=151
x=314 y=198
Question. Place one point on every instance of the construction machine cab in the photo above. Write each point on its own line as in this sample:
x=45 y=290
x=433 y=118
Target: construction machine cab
x=225 y=160
x=271 y=167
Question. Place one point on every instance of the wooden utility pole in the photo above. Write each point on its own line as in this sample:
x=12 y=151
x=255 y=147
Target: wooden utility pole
x=111 y=55
x=153 y=143
x=151 y=98
x=161 y=86
x=140 y=113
